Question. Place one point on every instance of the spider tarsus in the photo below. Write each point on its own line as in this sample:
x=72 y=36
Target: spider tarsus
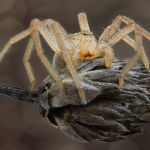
x=31 y=88
x=121 y=81
x=121 y=84
x=61 y=88
x=82 y=95
x=84 y=102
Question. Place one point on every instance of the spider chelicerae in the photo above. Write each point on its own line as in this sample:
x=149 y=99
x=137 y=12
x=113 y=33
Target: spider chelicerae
x=81 y=45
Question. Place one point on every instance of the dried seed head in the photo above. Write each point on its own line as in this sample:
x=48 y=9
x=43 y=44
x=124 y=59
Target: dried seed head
x=111 y=114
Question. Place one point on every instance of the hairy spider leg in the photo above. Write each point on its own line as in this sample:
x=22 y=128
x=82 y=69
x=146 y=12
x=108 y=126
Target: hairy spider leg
x=132 y=43
x=110 y=30
x=138 y=39
x=14 y=40
x=64 y=34
x=28 y=51
x=113 y=39
x=58 y=33
x=36 y=27
x=27 y=65
x=108 y=33
x=49 y=37
x=116 y=36
x=115 y=27
x=74 y=53
x=26 y=55
x=83 y=22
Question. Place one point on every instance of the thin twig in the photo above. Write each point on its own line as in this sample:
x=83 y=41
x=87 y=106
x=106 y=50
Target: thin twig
x=18 y=93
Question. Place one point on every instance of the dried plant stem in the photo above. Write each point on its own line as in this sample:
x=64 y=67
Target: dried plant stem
x=18 y=93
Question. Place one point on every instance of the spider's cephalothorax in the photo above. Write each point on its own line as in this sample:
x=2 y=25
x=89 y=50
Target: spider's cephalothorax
x=82 y=45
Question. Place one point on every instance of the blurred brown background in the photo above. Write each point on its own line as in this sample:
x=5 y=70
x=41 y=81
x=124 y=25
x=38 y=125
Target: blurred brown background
x=21 y=127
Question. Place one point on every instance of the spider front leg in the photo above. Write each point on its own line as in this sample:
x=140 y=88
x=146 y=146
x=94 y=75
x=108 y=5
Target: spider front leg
x=62 y=45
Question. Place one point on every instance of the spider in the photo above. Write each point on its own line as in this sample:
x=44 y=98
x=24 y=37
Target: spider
x=81 y=45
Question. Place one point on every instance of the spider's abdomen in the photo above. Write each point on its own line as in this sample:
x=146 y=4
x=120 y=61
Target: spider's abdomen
x=87 y=43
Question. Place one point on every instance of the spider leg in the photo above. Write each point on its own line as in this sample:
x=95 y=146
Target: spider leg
x=83 y=22
x=47 y=33
x=120 y=34
x=64 y=50
x=26 y=55
x=12 y=41
x=112 y=35
x=105 y=47
x=64 y=34
x=132 y=43
x=36 y=27
x=115 y=25
x=138 y=39
x=73 y=54
x=140 y=51
x=109 y=37
x=27 y=65
x=110 y=30
x=128 y=21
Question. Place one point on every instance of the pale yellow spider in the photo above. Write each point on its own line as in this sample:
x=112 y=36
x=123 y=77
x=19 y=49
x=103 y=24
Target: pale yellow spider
x=81 y=45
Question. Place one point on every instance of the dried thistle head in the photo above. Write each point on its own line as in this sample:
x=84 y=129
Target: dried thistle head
x=111 y=113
